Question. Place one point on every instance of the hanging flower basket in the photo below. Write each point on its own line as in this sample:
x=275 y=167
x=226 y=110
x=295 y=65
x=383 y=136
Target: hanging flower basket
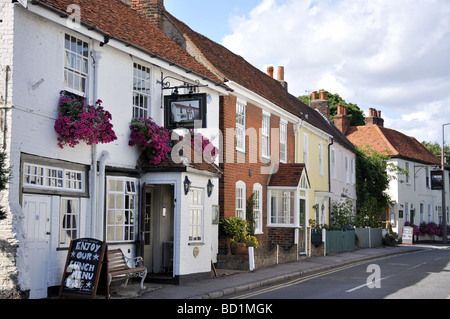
x=151 y=139
x=78 y=122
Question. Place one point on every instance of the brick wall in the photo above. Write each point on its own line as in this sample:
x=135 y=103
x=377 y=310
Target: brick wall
x=239 y=166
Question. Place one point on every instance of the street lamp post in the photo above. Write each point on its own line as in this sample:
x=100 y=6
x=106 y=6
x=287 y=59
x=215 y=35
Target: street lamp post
x=444 y=208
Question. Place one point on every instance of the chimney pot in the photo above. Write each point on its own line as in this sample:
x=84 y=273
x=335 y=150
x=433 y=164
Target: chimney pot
x=342 y=110
x=323 y=95
x=374 y=118
x=280 y=77
x=270 y=71
x=314 y=95
x=280 y=73
x=341 y=120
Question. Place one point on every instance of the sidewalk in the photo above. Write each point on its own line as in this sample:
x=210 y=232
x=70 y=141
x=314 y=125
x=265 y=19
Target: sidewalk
x=234 y=282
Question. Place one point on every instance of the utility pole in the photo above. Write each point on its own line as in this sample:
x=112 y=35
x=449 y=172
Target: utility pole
x=444 y=207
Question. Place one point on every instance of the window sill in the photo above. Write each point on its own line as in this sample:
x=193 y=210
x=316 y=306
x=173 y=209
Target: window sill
x=196 y=244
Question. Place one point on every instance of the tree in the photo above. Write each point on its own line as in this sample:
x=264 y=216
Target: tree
x=436 y=149
x=373 y=174
x=354 y=112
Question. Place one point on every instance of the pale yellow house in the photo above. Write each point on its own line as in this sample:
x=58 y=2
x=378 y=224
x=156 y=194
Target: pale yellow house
x=312 y=150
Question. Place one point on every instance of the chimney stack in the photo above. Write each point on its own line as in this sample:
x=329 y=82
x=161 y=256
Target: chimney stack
x=322 y=105
x=152 y=9
x=341 y=119
x=374 y=118
x=270 y=71
x=280 y=77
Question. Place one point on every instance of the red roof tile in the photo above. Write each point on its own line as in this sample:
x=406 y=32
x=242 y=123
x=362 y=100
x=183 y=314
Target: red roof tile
x=233 y=67
x=120 y=21
x=288 y=175
x=390 y=142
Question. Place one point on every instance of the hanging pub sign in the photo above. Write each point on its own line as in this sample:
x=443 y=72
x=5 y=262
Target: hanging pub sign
x=182 y=111
x=82 y=271
x=436 y=180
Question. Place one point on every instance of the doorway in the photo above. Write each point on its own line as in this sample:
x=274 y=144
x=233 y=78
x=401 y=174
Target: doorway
x=37 y=209
x=302 y=228
x=157 y=228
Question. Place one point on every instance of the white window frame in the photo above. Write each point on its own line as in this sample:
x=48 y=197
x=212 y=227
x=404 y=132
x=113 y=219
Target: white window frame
x=69 y=222
x=321 y=158
x=76 y=65
x=53 y=178
x=421 y=212
x=241 y=109
x=352 y=170
x=283 y=141
x=407 y=213
x=282 y=207
x=265 y=135
x=117 y=227
x=141 y=75
x=196 y=215
x=257 y=207
x=408 y=176
x=347 y=169
x=333 y=163
x=305 y=150
x=240 y=200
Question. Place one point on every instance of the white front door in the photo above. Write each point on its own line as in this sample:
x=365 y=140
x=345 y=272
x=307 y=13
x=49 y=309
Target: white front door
x=37 y=210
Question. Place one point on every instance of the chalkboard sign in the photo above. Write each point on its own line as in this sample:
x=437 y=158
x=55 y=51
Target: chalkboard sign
x=83 y=266
x=407 y=235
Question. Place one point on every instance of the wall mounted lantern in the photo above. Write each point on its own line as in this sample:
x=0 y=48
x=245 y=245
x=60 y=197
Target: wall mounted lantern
x=209 y=187
x=187 y=185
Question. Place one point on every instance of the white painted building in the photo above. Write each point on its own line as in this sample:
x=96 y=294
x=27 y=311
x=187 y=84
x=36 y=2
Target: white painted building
x=412 y=198
x=103 y=188
x=342 y=173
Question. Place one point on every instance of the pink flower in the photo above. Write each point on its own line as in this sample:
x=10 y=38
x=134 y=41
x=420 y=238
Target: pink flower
x=77 y=122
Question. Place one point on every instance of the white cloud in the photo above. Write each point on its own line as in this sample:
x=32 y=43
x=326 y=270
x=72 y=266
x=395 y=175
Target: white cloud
x=391 y=55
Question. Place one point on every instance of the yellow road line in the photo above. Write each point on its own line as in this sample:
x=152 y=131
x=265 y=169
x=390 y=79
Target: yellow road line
x=295 y=281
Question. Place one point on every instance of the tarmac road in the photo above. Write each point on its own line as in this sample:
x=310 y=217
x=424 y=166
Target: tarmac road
x=423 y=274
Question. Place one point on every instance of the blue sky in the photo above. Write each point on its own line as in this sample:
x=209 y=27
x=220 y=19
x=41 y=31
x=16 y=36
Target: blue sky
x=389 y=55
x=210 y=17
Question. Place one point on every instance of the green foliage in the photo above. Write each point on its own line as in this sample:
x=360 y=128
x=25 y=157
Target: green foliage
x=391 y=238
x=373 y=174
x=436 y=149
x=235 y=228
x=342 y=214
x=5 y=175
x=354 y=112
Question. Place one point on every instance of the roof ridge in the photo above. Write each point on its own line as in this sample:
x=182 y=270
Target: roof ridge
x=385 y=139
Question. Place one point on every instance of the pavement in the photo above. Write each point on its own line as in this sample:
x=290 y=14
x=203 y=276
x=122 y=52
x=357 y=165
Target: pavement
x=230 y=282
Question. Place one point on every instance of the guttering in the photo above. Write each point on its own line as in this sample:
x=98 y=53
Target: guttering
x=105 y=35
x=101 y=187
x=263 y=103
